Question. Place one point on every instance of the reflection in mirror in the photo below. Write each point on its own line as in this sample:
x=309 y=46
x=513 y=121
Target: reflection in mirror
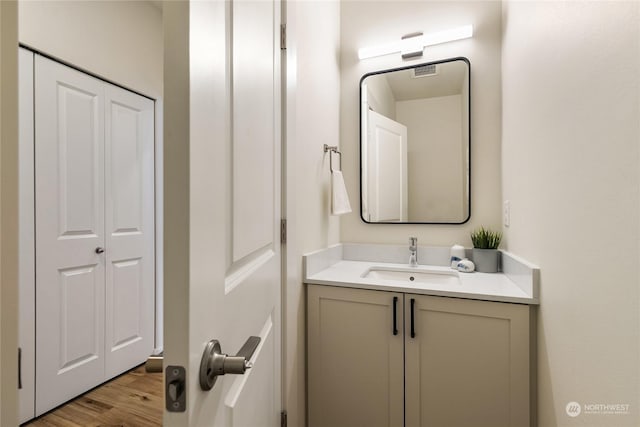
x=414 y=144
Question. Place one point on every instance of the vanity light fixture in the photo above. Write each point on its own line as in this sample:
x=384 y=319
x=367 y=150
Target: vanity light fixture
x=413 y=44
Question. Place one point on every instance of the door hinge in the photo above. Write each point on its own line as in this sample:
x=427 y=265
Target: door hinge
x=283 y=231
x=283 y=36
x=283 y=419
x=19 y=368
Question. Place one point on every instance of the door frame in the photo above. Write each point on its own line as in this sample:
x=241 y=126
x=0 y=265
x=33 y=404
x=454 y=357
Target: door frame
x=9 y=212
x=9 y=165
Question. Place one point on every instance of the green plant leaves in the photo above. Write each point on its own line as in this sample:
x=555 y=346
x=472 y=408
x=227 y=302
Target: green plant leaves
x=483 y=238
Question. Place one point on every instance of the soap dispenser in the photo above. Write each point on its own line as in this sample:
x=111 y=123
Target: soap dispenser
x=457 y=255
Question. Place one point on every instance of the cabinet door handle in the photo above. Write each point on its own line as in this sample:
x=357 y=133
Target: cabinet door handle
x=395 y=314
x=413 y=330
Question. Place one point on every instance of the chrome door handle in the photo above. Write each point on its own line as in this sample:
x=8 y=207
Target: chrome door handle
x=215 y=363
x=99 y=250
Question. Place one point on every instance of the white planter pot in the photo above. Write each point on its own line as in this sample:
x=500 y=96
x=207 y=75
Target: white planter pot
x=486 y=260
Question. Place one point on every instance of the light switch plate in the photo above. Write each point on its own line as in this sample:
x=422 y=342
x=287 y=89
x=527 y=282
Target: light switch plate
x=506 y=213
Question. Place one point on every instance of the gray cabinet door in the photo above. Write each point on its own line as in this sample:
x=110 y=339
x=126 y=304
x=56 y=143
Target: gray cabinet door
x=355 y=360
x=467 y=363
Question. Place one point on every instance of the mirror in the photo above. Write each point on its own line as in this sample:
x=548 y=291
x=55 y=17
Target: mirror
x=414 y=144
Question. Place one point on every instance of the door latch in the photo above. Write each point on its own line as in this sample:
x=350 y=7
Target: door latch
x=175 y=392
x=215 y=363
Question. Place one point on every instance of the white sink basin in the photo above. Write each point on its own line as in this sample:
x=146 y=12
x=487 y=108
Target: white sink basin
x=412 y=275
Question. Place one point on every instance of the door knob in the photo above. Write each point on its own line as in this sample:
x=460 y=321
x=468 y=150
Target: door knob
x=215 y=363
x=99 y=250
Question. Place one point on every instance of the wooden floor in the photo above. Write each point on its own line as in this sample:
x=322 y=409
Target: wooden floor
x=134 y=399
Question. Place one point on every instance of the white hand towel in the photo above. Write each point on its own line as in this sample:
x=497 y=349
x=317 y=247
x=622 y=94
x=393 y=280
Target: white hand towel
x=339 y=197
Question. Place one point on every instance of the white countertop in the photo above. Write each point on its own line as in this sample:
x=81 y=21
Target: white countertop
x=481 y=286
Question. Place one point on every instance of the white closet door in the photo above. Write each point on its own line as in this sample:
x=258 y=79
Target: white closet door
x=69 y=181
x=129 y=220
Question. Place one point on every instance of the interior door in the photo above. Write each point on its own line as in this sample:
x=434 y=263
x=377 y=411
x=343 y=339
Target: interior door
x=386 y=169
x=129 y=221
x=69 y=187
x=94 y=196
x=222 y=205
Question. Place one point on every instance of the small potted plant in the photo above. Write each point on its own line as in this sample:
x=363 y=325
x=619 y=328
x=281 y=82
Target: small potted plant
x=485 y=249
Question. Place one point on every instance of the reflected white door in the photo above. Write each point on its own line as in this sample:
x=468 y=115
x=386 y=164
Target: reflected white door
x=94 y=224
x=222 y=204
x=386 y=169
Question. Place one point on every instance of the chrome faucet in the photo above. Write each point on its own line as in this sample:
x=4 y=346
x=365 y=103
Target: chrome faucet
x=413 y=251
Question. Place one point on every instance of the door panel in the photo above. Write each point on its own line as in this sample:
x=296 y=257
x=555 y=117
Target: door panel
x=129 y=207
x=80 y=207
x=253 y=121
x=126 y=169
x=69 y=185
x=126 y=293
x=79 y=325
x=222 y=204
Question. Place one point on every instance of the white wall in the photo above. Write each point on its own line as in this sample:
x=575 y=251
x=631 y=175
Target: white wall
x=317 y=120
x=571 y=132
x=8 y=214
x=380 y=96
x=313 y=118
x=118 y=40
x=434 y=152
x=366 y=23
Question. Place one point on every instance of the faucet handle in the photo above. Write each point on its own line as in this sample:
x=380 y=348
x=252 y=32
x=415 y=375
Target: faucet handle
x=413 y=250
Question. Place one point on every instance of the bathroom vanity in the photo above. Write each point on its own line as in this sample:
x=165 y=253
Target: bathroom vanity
x=390 y=345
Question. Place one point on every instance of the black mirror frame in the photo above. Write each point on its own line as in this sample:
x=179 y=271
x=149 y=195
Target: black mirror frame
x=373 y=73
